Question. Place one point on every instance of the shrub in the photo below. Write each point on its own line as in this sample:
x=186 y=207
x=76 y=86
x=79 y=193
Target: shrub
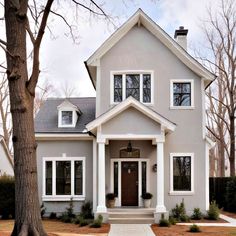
x=147 y=196
x=53 y=216
x=197 y=214
x=194 y=229
x=172 y=220
x=179 y=212
x=7 y=197
x=97 y=223
x=164 y=223
x=77 y=220
x=68 y=216
x=213 y=212
x=83 y=222
x=65 y=218
x=230 y=196
x=87 y=210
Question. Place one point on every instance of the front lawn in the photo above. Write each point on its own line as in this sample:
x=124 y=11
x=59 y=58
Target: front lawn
x=56 y=226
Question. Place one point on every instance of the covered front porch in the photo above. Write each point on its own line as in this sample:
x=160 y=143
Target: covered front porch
x=128 y=157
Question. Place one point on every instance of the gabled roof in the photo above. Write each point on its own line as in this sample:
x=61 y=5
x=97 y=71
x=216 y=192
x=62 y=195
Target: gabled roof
x=131 y=102
x=67 y=104
x=141 y=18
x=46 y=120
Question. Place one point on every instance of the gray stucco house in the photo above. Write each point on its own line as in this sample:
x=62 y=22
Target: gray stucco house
x=144 y=131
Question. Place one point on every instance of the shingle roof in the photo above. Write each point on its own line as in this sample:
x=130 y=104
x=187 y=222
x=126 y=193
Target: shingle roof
x=46 y=120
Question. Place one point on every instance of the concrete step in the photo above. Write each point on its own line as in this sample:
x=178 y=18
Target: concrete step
x=131 y=216
x=131 y=220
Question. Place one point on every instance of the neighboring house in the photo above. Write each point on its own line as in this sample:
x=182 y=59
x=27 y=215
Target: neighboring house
x=6 y=162
x=144 y=131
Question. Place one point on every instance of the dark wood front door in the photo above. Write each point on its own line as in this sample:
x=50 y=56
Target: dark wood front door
x=129 y=183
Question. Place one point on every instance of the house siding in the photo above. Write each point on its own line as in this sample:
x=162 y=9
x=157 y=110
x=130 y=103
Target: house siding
x=140 y=50
x=5 y=165
x=71 y=149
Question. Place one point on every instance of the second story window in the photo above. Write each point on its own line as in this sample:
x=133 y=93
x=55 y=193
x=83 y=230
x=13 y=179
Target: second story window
x=137 y=85
x=182 y=94
x=66 y=117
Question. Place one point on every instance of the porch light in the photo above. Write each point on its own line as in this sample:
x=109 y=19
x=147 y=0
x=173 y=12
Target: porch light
x=129 y=147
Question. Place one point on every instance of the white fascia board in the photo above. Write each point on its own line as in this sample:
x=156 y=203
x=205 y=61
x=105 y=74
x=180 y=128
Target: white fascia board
x=130 y=101
x=62 y=136
x=159 y=33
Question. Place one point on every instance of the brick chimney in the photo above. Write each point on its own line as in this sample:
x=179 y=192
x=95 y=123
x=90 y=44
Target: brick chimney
x=181 y=37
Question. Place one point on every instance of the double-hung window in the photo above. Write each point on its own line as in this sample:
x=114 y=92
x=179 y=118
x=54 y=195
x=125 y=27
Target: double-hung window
x=181 y=94
x=181 y=169
x=63 y=178
x=137 y=85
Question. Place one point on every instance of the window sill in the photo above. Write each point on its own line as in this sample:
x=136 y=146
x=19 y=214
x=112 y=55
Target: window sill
x=181 y=193
x=62 y=198
x=182 y=108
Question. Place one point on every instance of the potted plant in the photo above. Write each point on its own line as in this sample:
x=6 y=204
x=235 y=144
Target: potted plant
x=147 y=197
x=110 y=200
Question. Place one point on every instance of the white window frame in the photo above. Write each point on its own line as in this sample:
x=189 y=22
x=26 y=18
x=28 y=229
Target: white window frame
x=191 y=81
x=124 y=73
x=172 y=192
x=74 y=118
x=54 y=196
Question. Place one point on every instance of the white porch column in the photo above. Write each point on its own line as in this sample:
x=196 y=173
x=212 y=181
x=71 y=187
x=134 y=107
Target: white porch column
x=101 y=208
x=160 y=207
x=95 y=182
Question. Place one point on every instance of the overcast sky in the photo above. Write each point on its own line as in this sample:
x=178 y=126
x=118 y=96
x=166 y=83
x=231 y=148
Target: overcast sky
x=62 y=60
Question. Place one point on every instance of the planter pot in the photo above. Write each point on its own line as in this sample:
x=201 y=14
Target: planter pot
x=147 y=203
x=111 y=203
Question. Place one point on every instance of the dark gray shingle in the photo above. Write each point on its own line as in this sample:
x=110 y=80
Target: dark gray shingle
x=46 y=120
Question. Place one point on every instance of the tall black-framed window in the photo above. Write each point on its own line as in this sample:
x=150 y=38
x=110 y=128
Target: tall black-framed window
x=48 y=183
x=78 y=177
x=133 y=86
x=116 y=176
x=144 y=177
x=63 y=177
x=182 y=173
x=117 y=88
x=182 y=94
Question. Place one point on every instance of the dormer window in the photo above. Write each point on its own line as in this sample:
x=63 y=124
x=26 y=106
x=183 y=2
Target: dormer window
x=67 y=117
x=68 y=114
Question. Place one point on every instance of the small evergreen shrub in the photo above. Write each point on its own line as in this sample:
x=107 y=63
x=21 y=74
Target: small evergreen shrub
x=172 y=220
x=213 y=212
x=65 y=218
x=179 y=213
x=68 y=216
x=194 y=229
x=97 y=223
x=83 y=222
x=164 y=223
x=147 y=196
x=87 y=210
x=7 y=197
x=77 y=220
x=197 y=214
x=53 y=216
x=230 y=196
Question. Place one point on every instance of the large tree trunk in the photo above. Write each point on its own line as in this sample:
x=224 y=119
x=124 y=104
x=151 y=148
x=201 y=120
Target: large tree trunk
x=232 y=146
x=27 y=213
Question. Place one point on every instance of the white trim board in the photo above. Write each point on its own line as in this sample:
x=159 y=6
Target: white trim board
x=62 y=136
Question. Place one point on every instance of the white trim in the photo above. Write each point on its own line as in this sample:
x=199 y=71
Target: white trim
x=124 y=73
x=191 y=81
x=182 y=193
x=207 y=168
x=131 y=102
x=55 y=197
x=98 y=90
x=120 y=160
x=62 y=136
x=94 y=175
x=203 y=109
x=160 y=34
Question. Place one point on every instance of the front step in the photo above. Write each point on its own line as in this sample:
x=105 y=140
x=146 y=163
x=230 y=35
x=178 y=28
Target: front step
x=131 y=216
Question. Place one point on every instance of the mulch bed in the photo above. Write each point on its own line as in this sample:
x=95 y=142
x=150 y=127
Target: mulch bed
x=182 y=230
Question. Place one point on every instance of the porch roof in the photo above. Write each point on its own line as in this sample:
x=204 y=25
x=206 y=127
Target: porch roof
x=127 y=103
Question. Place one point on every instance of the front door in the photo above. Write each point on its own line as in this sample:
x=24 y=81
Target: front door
x=129 y=183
